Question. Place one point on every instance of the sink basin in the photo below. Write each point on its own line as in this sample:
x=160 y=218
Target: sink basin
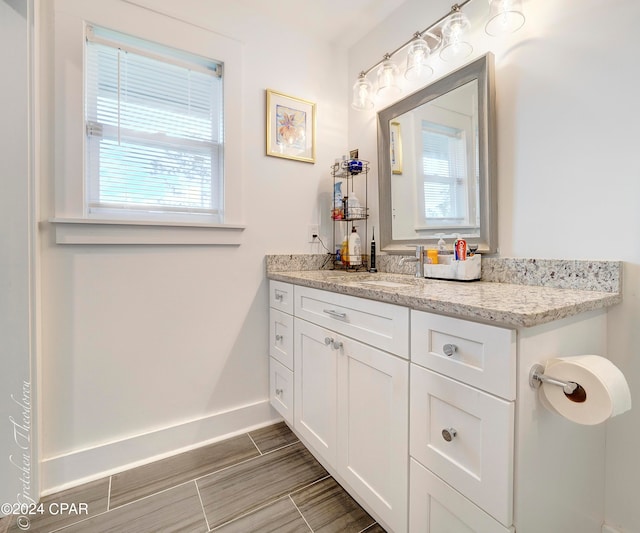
x=384 y=283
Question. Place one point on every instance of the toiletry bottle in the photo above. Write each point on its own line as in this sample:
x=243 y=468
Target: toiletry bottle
x=442 y=246
x=355 y=248
x=353 y=205
x=459 y=248
x=344 y=251
x=337 y=212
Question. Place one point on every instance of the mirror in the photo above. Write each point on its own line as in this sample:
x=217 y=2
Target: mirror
x=437 y=165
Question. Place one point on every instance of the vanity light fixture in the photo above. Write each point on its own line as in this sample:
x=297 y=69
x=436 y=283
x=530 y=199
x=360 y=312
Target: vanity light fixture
x=417 y=55
x=448 y=31
x=505 y=16
x=454 y=31
x=388 y=78
x=362 y=93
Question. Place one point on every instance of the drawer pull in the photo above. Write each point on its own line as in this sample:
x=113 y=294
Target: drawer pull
x=279 y=392
x=335 y=314
x=279 y=296
x=279 y=337
x=449 y=349
x=448 y=434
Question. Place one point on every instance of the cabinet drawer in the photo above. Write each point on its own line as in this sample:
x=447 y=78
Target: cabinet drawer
x=281 y=296
x=465 y=436
x=437 y=508
x=281 y=337
x=379 y=324
x=481 y=355
x=281 y=389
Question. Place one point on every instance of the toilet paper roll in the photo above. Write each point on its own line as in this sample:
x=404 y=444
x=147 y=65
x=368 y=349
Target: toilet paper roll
x=606 y=392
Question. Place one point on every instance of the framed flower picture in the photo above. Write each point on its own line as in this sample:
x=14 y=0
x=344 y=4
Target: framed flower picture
x=291 y=127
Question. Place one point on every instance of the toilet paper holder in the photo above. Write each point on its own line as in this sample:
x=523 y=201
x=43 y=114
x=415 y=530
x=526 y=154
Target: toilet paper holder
x=537 y=377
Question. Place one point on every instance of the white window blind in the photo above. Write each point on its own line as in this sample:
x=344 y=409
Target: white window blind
x=444 y=174
x=154 y=131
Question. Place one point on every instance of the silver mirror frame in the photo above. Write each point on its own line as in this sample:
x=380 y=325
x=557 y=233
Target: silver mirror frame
x=481 y=69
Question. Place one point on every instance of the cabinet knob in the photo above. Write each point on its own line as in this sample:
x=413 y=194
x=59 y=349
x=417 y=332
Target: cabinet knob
x=449 y=349
x=279 y=392
x=279 y=296
x=448 y=434
x=328 y=340
x=336 y=345
x=279 y=337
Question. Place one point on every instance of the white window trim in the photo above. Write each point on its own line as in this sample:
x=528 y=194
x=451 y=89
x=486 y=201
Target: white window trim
x=95 y=231
x=71 y=223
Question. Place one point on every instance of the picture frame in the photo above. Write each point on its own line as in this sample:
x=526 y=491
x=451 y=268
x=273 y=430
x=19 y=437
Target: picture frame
x=395 y=147
x=291 y=127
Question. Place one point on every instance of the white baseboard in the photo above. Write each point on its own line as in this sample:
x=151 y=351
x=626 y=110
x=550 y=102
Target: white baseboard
x=609 y=529
x=80 y=466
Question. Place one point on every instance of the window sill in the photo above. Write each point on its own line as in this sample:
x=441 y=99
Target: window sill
x=90 y=231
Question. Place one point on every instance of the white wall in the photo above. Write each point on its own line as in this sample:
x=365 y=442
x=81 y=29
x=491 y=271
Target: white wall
x=569 y=174
x=139 y=339
x=18 y=422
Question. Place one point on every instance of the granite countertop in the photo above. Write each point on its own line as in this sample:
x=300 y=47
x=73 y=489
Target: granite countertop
x=510 y=304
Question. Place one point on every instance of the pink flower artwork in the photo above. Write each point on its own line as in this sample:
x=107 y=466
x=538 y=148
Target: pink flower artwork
x=291 y=127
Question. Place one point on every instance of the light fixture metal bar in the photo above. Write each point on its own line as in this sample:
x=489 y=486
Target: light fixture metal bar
x=454 y=8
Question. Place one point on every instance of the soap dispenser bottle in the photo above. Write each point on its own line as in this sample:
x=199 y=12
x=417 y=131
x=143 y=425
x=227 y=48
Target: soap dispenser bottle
x=355 y=248
x=442 y=245
x=344 y=251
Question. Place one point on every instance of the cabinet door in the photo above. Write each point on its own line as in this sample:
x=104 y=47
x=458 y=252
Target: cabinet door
x=315 y=381
x=464 y=436
x=436 y=508
x=281 y=389
x=373 y=428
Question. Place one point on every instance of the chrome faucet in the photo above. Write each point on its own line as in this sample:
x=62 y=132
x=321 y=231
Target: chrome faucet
x=418 y=259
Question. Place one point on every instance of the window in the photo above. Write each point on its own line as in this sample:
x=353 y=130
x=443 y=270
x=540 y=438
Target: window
x=448 y=190
x=444 y=171
x=154 y=131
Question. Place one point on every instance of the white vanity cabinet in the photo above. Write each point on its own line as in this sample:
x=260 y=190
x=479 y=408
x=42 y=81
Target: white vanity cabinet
x=429 y=421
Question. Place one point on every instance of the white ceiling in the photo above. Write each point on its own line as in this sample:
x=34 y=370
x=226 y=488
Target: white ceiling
x=342 y=22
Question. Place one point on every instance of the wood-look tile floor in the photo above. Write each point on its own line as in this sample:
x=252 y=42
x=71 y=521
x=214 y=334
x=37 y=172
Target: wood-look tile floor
x=264 y=480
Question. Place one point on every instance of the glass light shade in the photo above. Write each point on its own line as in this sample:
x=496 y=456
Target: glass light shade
x=362 y=92
x=388 y=79
x=417 y=56
x=505 y=16
x=455 y=47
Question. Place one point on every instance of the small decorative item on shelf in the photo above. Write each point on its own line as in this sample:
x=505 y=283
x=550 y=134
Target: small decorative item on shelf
x=355 y=166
